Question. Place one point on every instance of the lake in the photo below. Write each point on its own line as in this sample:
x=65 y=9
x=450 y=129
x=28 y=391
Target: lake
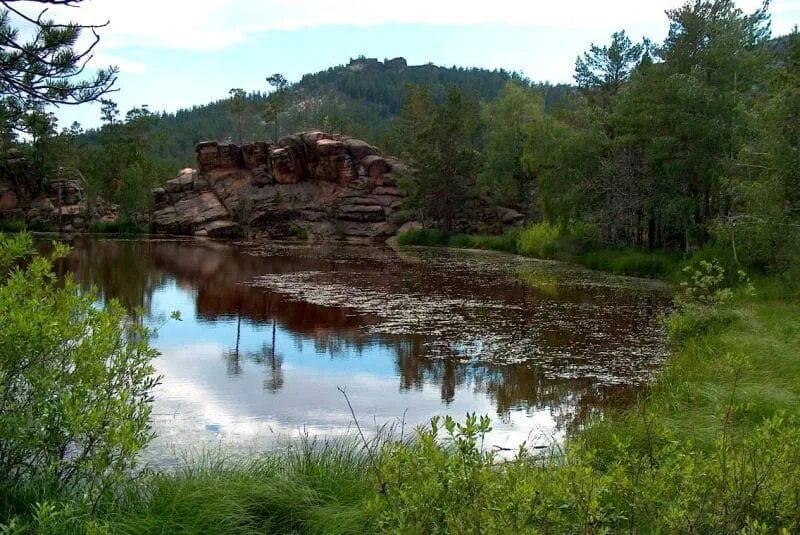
x=270 y=333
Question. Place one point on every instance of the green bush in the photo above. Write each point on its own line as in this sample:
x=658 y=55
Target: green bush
x=438 y=238
x=446 y=481
x=76 y=382
x=541 y=240
x=704 y=304
x=633 y=262
x=11 y=225
x=424 y=237
x=296 y=231
x=124 y=226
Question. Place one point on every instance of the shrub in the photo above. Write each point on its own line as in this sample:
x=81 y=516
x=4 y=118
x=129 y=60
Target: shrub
x=15 y=225
x=11 y=225
x=125 y=226
x=704 y=304
x=296 y=231
x=75 y=381
x=424 y=237
x=632 y=262
x=541 y=240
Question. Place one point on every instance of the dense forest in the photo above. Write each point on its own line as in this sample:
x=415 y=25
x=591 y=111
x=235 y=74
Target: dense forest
x=361 y=99
x=673 y=145
x=682 y=145
x=133 y=152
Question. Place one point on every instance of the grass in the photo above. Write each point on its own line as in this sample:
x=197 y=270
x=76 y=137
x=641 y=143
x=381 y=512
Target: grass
x=117 y=227
x=313 y=489
x=634 y=262
x=99 y=227
x=438 y=238
x=749 y=358
x=546 y=241
x=14 y=226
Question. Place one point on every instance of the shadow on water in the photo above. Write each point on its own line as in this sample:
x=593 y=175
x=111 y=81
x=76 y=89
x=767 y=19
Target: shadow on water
x=269 y=333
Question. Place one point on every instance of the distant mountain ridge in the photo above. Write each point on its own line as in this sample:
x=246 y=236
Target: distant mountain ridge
x=361 y=98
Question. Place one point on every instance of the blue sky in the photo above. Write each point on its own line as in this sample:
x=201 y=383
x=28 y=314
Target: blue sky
x=178 y=53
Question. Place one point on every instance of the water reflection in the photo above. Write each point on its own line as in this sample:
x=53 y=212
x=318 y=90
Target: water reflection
x=268 y=336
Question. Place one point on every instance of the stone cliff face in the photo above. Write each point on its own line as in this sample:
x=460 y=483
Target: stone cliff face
x=59 y=204
x=312 y=184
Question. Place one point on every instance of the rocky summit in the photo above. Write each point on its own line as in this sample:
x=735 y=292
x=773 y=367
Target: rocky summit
x=311 y=185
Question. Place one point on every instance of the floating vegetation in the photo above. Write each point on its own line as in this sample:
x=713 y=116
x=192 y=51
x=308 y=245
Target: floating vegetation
x=478 y=307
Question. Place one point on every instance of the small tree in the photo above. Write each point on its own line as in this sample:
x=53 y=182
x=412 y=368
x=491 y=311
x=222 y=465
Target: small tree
x=76 y=381
x=278 y=101
x=237 y=104
x=607 y=68
x=441 y=143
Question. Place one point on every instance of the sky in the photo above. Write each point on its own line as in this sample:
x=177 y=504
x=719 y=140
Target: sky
x=178 y=53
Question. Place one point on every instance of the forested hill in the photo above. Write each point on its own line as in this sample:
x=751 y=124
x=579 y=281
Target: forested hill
x=361 y=99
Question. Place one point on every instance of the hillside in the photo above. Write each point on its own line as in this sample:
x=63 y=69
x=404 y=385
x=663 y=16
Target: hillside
x=360 y=99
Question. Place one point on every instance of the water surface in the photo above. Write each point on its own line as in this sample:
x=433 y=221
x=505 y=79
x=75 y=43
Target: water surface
x=269 y=334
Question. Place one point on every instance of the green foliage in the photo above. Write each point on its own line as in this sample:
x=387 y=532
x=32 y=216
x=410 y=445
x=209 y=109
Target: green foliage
x=633 y=261
x=704 y=303
x=121 y=166
x=438 y=238
x=42 y=63
x=455 y=486
x=441 y=146
x=607 y=68
x=512 y=121
x=11 y=225
x=75 y=383
x=117 y=227
x=364 y=104
x=296 y=231
x=541 y=240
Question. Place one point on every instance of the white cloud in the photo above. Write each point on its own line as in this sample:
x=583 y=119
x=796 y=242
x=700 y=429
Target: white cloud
x=102 y=60
x=217 y=24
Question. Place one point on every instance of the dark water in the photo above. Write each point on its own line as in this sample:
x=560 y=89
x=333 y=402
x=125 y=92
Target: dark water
x=269 y=334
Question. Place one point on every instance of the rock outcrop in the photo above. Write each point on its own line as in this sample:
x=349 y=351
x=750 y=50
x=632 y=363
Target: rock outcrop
x=59 y=204
x=311 y=185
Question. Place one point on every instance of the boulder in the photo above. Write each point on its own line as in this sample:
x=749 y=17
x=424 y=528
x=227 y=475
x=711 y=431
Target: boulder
x=9 y=200
x=508 y=216
x=410 y=226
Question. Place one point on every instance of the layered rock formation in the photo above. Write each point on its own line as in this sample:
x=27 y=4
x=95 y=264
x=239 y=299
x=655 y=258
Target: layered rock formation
x=59 y=204
x=310 y=185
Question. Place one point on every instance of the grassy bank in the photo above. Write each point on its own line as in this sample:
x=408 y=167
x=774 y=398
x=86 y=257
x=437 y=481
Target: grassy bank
x=14 y=225
x=99 y=227
x=117 y=227
x=550 y=242
x=713 y=446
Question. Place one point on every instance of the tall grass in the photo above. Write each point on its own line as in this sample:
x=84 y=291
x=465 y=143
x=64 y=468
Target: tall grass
x=439 y=238
x=312 y=488
x=117 y=227
x=15 y=225
x=544 y=240
x=633 y=261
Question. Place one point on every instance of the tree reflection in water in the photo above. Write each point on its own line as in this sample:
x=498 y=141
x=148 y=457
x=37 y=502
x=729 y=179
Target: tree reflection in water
x=217 y=275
